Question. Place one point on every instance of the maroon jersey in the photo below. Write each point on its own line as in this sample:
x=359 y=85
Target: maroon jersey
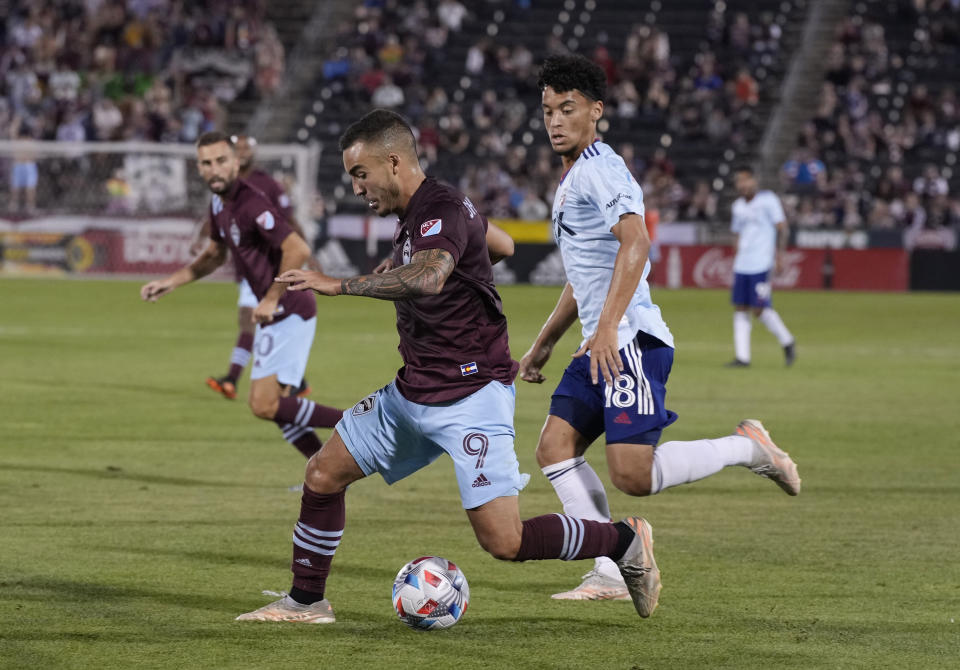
x=247 y=222
x=455 y=342
x=274 y=192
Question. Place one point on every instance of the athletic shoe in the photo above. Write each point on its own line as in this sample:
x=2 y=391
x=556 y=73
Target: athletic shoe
x=790 y=353
x=777 y=464
x=288 y=609
x=223 y=385
x=639 y=569
x=304 y=388
x=596 y=586
x=737 y=363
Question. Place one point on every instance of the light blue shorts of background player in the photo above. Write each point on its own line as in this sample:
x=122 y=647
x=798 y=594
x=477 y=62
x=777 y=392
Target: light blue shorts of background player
x=629 y=412
x=282 y=348
x=389 y=434
x=752 y=290
x=24 y=175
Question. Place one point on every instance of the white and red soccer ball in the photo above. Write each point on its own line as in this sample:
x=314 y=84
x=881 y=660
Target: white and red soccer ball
x=430 y=593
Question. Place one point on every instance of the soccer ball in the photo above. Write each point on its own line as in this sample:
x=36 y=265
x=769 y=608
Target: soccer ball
x=430 y=593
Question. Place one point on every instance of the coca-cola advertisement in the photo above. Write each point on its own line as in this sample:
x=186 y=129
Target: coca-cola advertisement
x=842 y=269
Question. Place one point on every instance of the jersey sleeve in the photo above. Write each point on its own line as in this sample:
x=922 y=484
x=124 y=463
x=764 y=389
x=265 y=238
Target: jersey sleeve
x=612 y=189
x=215 y=206
x=278 y=197
x=775 y=210
x=270 y=224
x=444 y=227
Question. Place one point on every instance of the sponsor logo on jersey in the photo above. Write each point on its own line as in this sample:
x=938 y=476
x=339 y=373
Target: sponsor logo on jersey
x=623 y=196
x=468 y=369
x=234 y=232
x=431 y=227
x=364 y=405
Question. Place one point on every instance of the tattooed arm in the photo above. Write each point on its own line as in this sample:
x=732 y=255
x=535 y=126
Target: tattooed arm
x=425 y=274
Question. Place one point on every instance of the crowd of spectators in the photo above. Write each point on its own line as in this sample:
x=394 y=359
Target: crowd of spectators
x=156 y=70
x=880 y=151
x=479 y=118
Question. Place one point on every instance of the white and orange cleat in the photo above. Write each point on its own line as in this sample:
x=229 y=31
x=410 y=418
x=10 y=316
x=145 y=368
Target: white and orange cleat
x=776 y=464
x=596 y=586
x=639 y=569
x=289 y=610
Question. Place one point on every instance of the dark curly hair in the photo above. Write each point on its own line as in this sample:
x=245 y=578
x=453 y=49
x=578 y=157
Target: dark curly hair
x=565 y=73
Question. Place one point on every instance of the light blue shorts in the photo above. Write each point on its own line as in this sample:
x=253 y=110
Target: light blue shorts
x=282 y=349
x=246 y=298
x=24 y=175
x=389 y=434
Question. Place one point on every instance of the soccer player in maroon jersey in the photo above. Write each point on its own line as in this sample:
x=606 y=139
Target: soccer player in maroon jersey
x=454 y=393
x=245 y=223
x=243 y=349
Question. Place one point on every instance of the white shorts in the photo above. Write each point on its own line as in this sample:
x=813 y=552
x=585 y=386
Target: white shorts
x=282 y=349
x=389 y=434
x=247 y=298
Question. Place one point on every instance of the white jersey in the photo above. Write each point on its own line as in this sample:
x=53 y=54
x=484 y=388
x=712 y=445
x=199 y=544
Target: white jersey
x=594 y=193
x=756 y=223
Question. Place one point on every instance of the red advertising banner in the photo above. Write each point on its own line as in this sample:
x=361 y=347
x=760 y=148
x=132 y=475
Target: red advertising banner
x=135 y=249
x=840 y=269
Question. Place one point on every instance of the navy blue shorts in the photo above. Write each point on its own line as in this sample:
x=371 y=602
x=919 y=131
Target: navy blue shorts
x=629 y=412
x=752 y=290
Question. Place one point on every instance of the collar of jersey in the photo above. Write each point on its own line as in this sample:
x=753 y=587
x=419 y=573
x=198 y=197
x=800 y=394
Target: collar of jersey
x=567 y=171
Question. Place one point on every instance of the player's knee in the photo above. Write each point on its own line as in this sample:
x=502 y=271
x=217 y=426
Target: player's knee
x=502 y=546
x=632 y=483
x=263 y=407
x=551 y=450
x=317 y=479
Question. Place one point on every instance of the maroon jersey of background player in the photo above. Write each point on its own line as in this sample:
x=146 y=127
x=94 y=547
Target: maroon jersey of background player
x=248 y=223
x=275 y=194
x=454 y=342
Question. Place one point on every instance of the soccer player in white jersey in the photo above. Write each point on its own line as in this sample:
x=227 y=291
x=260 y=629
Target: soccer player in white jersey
x=761 y=229
x=615 y=383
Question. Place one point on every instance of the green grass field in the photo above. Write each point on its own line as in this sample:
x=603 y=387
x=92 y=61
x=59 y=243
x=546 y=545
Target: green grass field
x=140 y=513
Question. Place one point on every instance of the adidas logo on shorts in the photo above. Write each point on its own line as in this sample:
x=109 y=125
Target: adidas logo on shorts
x=480 y=481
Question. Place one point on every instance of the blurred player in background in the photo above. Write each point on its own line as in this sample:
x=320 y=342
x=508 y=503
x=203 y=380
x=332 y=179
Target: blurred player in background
x=245 y=223
x=616 y=383
x=761 y=237
x=244 y=148
x=454 y=393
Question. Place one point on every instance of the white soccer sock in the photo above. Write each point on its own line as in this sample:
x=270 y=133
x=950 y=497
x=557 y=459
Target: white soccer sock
x=775 y=325
x=583 y=497
x=741 y=336
x=677 y=463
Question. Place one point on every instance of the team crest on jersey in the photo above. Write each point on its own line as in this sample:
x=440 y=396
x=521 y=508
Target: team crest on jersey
x=364 y=405
x=234 y=232
x=406 y=251
x=216 y=204
x=431 y=227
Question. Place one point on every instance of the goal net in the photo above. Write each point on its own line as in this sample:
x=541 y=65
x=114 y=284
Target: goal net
x=118 y=207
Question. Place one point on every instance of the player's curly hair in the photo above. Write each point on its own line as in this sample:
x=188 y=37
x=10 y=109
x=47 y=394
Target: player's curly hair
x=565 y=73
x=382 y=126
